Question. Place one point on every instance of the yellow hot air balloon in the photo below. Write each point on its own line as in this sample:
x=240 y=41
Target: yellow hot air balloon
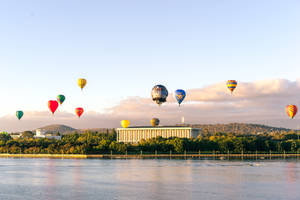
x=81 y=83
x=125 y=123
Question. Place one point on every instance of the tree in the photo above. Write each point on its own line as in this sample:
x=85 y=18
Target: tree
x=294 y=146
x=177 y=144
x=56 y=134
x=5 y=137
x=27 y=134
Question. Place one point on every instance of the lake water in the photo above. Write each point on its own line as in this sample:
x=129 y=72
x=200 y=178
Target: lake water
x=55 y=179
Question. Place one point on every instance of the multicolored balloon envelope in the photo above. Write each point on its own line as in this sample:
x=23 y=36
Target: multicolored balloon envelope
x=291 y=110
x=81 y=83
x=154 y=122
x=61 y=98
x=19 y=114
x=79 y=111
x=52 y=105
x=231 y=85
x=159 y=94
x=180 y=95
x=125 y=123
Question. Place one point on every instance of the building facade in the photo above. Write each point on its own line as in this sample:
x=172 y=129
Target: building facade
x=135 y=134
x=41 y=133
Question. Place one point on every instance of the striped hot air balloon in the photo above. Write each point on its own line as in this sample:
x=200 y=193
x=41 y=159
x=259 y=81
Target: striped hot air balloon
x=231 y=85
x=291 y=110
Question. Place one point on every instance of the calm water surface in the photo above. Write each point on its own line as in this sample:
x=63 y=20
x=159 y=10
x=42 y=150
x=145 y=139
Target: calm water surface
x=54 y=179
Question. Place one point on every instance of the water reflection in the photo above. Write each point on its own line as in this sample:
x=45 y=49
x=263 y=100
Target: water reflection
x=52 y=179
x=292 y=186
x=291 y=172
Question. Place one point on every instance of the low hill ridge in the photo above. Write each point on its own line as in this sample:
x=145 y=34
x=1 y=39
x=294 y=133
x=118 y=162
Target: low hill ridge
x=238 y=128
x=58 y=128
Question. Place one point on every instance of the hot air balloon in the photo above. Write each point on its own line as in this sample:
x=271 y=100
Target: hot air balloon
x=61 y=98
x=291 y=110
x=125 y=123
x=81 y=83
x=52 y=105
x=159 y=94
x=19 y=114
x=154 y=122
x=231 y=85
x=180 y=95
x=79 y=111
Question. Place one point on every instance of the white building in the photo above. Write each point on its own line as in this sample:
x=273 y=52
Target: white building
x=135 y=134
x=42 y=133
x=15 y=135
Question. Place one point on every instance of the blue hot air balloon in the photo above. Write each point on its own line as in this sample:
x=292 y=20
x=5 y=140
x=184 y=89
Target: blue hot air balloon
x=180 y=95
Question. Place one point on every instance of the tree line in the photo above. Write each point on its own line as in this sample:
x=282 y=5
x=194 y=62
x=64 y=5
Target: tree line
x=103 y=143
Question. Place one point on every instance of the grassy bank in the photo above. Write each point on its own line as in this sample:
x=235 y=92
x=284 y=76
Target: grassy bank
x=258 y=156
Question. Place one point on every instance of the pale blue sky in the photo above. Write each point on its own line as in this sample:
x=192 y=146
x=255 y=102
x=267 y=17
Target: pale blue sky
x=125 y=47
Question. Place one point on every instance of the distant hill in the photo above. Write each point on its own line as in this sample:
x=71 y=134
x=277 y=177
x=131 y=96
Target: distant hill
x=238 y=128
x=63 y=129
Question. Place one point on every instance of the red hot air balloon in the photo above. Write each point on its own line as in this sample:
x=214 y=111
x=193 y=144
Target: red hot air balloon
x=79 y=111
x=52 y=105
x=291 y=110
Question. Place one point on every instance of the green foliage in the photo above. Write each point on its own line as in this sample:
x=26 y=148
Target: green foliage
x=86 y=143
x=105 y=143
x=221 y=142
x=27 y=134
x=5 y=137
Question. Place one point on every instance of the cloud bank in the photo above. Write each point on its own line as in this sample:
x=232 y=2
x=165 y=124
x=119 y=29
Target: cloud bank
x=252 y=102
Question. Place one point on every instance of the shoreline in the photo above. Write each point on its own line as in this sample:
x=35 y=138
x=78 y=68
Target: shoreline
x=262 y=156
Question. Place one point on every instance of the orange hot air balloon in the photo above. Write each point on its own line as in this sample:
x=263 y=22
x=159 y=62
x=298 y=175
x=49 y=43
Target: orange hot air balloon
x=79 y=111
x=291 y=110
x=52 y=105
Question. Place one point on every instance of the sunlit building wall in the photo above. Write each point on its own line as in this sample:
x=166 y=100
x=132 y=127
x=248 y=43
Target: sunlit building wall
x=135 y=134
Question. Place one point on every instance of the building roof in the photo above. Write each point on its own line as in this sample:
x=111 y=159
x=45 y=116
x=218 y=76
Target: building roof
x=158 y=127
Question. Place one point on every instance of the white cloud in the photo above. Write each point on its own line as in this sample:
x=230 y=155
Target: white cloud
x=256 y=102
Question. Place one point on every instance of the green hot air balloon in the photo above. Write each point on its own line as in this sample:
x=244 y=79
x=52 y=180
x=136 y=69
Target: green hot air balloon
x=19 y=114
x=61 y=98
